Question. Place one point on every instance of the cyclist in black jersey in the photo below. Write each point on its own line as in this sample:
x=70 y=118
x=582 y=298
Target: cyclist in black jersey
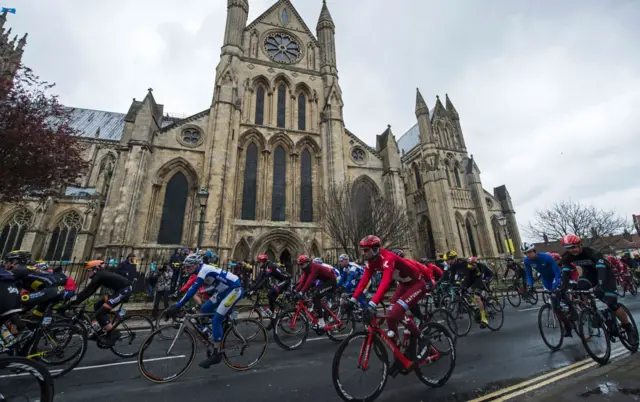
x=121 y=290
x=270 y=270
x=597 y=274
x=518 y=271
x=44 y=288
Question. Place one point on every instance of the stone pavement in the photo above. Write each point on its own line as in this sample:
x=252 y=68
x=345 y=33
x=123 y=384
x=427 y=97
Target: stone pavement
x=616 y=382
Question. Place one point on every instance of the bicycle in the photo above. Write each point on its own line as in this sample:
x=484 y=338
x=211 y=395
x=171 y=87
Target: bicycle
x=338 y=321
x=603 y=323
x=416 y=356
x=193 y=327
x=515 y=295
x=465 y=306
x=20 y=370
x=56 y=336
x=571 y=308
x=128 y=325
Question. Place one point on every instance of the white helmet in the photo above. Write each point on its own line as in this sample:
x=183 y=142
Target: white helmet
x=526 y=247
x=192 y=259
x=318 y=260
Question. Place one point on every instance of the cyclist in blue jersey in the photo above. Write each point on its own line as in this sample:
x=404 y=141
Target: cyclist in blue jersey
x=229 y=291
x=544 y=264
x=352 y=277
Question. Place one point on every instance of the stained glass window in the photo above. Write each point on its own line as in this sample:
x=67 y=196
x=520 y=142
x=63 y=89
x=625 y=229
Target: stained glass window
x=282 y=48
x=14 y=230
x=191 y=136
x=302 y=112
x=250 y=183
x=282 y=105
x=173 y=210
x=306 y=188
x=278 y=196
x=285 y=17
x=260 y=105
x=63 y=237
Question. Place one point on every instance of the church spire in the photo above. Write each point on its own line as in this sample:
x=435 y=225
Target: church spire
x=450 y=108
x=421 y=105
x=237 y=14
x=326 y=32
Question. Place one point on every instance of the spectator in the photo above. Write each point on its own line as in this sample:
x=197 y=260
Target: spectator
x=163 y=278
x=151 y=280
x=128 y=268
x=176 y=261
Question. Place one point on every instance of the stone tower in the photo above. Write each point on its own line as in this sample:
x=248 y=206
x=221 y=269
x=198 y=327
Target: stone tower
x=10 y=51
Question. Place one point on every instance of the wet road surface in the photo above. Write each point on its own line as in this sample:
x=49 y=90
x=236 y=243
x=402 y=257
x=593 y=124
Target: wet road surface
x=486 y=361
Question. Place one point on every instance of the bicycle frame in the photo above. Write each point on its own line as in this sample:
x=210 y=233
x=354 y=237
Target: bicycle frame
x=203 y=337
x=302 y=307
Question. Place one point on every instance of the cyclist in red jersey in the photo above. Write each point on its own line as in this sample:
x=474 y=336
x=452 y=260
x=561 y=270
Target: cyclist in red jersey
x=328 y=283
x=411 y=286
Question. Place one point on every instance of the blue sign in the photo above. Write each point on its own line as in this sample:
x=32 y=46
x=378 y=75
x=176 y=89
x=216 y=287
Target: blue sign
x=8 y=10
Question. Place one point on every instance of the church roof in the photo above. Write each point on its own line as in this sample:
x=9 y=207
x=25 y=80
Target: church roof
x=88 y=121
x=411 y=138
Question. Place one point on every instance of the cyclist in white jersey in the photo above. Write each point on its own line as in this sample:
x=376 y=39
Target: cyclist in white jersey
x=229 y=291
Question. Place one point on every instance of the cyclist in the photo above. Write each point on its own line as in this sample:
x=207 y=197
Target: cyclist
x=270 y=270
x=42 y=288
x=120 y=288
x=457 y=266
x=620 y=269
x=518 y=272
x=229 y=288
x=485 y=272
x=410 y=290
x=474 y=281
x=312 y=271
x=353 y=275
x=9 y=296
x=596 y=274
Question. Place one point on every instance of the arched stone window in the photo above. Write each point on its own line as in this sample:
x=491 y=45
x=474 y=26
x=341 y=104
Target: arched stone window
x=107 y=167
x=173 y=210
x=416 y=171
x=250 y=183
x=259 y=105
x=63 y=237
x=472 y=239
x=14 y=229
x=302 y=112
x=456 y=175
x=282 y=106
x=306 y=187
x=279 y=195
x=446 y=172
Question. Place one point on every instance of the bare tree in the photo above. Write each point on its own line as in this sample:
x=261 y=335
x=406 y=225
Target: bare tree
x=352 y=212
x=569 y=217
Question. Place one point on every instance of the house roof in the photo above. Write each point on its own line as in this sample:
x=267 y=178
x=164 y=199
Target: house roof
x=97 y=123
x=608 y=244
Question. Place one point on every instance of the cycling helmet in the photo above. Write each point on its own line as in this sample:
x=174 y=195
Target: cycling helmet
x=570 y=240
x=318 y=260
x=472 y=260
x=263 y=258
x=343 y=257
x=611 y=259
x=94 y=264
x=424 y=261
x=452 y=255
x=192 y=259
x=370 y=242
x=214 y=258
x=636 y=255
x=42 y=266
x=303 y=259
x=509 y=259
x=556 y=256
x=527 y=247
x=22 y=256
x=399 y=252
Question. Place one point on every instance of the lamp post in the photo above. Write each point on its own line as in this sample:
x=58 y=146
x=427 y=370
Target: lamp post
x=203 y=197
x=503 y=222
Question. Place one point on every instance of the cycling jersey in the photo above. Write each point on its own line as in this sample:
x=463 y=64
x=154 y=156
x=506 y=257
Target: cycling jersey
x=354 y=274
x=106 y=279
x=213 y=279
x=546 y=266
x=596 y=272
x=32 y=280
x=271 y=270
x=438 y=273
x=518 y=271
x=312 y=272
x=393 y=268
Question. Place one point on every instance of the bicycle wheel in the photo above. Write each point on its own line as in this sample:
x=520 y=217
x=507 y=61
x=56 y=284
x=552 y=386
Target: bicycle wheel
x=532 y=298
x=253 y=313
x=633 y=288
x=235 y=340
x=621 y=290
x=362 y=356
x=444 y=317
x=289 y=324
x=592 y=326
x=462 y=316
x=56 y=338
x=435 y=345
x=513 y=296
x=132 y=327
x=547 y=318
x=624 y=337
x=347 y=328
x=495 y=314
x=17 y=375
x=157 y=349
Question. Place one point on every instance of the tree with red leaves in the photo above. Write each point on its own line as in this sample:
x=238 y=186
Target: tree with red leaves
x=39 y=152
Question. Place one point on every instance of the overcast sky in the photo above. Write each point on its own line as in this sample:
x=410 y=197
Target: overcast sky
x=548 y=91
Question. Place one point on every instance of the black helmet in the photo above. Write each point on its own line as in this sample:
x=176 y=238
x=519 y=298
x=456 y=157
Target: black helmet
x=22 y=256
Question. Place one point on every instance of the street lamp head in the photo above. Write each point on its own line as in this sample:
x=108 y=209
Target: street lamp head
x=502 y=220
x=203 y=197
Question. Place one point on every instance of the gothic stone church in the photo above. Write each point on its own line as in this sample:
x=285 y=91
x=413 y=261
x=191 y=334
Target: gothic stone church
x=266 y=150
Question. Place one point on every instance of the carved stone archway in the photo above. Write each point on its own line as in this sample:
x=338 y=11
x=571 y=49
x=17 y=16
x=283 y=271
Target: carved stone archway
x=278 y=240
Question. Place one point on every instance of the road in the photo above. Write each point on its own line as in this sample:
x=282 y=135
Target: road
x=486 y=361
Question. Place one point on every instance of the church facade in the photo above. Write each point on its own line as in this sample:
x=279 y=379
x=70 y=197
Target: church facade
x=263 y=155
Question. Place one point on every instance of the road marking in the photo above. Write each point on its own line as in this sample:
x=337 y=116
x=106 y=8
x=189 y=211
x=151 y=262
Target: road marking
x=558 y=378
x=529 y=309
x=120 y=363
x=572 y=368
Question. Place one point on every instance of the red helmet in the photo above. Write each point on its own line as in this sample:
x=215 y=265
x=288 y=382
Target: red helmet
x=570 y=240
x=263 y=258
x=555 y=256
x=611 y=259
x=370 y=242
x=472 y=260
x=303 y=259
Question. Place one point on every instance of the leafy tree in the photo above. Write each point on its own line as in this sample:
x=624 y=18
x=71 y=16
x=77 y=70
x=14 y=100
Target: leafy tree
x=571 y=217
x=40 y=152
x=351 y=212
